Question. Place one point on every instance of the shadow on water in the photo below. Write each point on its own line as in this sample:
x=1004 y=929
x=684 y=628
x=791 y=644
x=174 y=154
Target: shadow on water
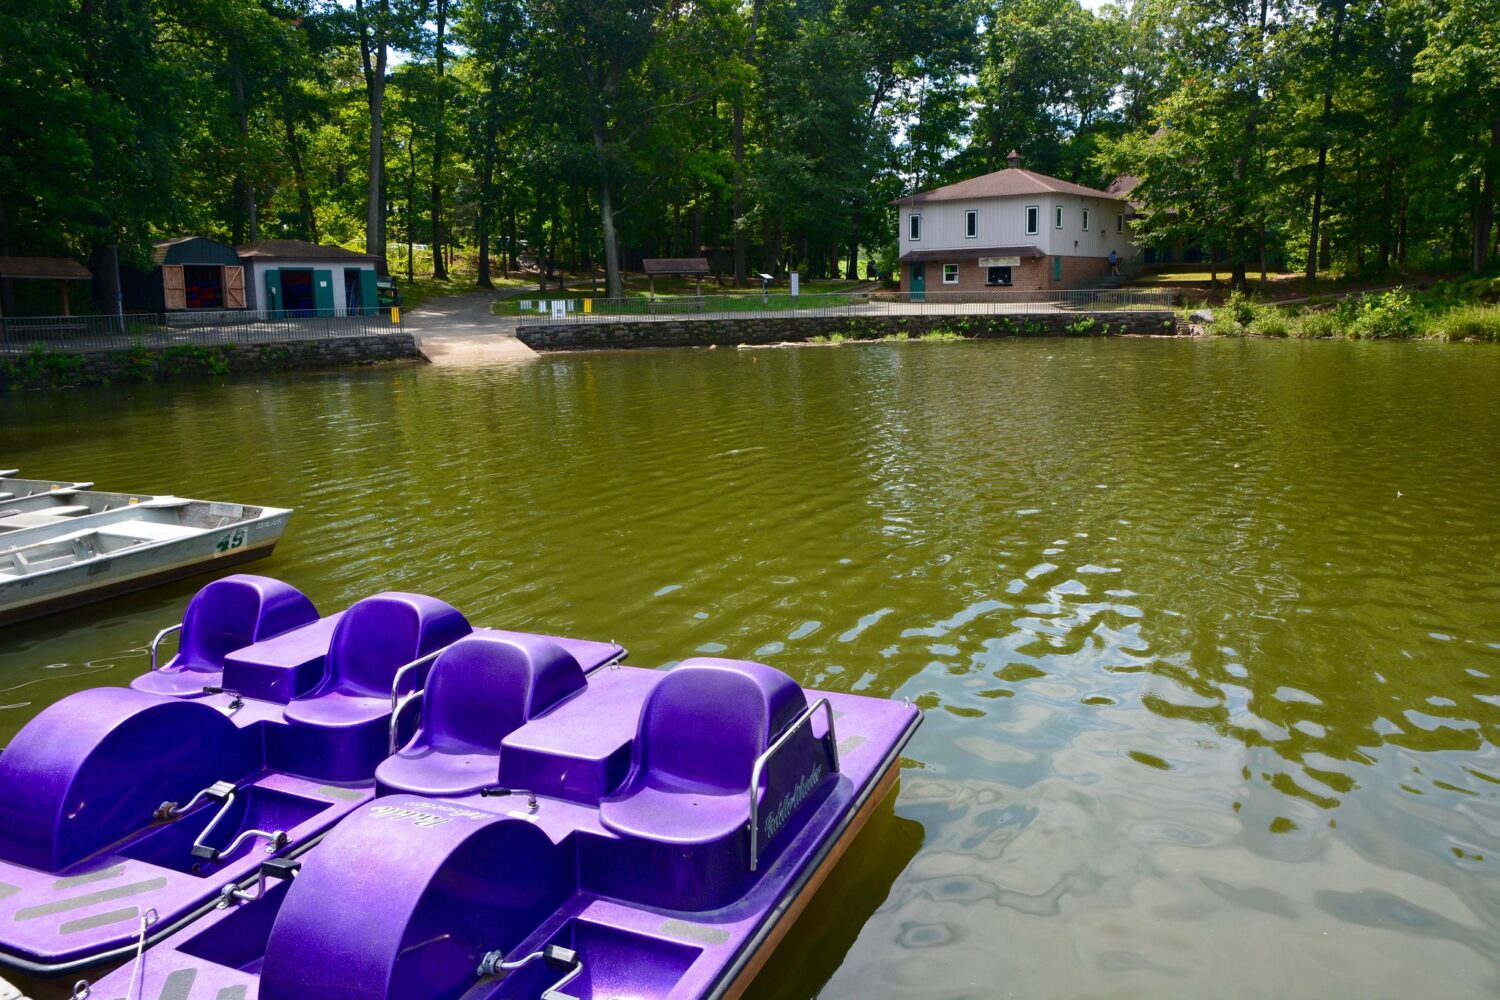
x=820 y=939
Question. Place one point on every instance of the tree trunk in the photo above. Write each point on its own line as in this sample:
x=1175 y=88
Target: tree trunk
x=439 y=267
x=1323 y=124
x=299 y=172
x=7 y=285
x=372 y=36
x=482 y=222
x=1484 y=213
x=737 y=206
x=614 y=288
x=411 y=203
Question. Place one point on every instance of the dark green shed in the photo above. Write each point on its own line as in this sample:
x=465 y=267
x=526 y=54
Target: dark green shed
x=191 y=273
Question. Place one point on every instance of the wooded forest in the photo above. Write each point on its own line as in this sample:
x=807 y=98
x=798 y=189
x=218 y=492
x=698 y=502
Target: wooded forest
x=575 y=135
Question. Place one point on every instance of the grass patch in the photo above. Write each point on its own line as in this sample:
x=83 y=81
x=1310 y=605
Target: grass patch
x=1466 y=322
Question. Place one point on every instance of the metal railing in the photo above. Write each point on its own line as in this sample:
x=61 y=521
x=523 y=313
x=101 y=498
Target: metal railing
x=536 y=312
x=237 y=326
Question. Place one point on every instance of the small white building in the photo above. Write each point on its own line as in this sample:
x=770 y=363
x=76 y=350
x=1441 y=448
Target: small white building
x=297 y=278
x=1011 y=229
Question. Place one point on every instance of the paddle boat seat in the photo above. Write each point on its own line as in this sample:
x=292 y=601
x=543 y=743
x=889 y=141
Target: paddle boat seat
x=700 y=731
x=224 y=616
x=481 y=689
x=338 y=731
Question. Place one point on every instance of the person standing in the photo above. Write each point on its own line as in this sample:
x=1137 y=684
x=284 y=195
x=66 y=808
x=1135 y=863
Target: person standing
x=1114 y=263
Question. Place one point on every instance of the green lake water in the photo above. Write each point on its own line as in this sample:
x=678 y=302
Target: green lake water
x=1208 y=633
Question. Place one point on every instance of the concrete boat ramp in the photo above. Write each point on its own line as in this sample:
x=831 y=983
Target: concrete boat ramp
x=462 y=331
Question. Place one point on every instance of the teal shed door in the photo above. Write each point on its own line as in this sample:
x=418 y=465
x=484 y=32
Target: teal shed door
x=918 y=282
x=273 y=305
x=323 y=292
x=367 y=297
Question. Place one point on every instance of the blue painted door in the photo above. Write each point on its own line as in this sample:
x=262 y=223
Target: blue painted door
x=918 y=282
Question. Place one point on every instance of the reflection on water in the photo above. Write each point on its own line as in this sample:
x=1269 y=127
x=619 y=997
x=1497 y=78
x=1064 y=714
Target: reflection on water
x=1207 y=632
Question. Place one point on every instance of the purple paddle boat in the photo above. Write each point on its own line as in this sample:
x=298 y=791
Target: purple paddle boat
x=544 y=831
x=126 y=813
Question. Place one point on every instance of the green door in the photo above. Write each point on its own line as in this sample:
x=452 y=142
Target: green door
x=918 y=282
x=367 y=298
x=272 y=304
x=323 y=292
x=1056 y=268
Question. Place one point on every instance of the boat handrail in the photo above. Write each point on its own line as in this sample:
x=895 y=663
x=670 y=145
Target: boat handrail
x=156 y=642
x=404 y=670
x=765 y=758
x=396 y=719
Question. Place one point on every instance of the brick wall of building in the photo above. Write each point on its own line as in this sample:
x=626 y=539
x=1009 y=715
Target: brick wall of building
x=1034 y=275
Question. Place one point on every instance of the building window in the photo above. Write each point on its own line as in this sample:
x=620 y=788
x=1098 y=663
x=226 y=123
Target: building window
x=1033 y=215
x=1120 y=223
x=914 y=228
x=971 y=224
x=950 y=274
x=1085 y=220
x=997 y=276
x=1058 y=223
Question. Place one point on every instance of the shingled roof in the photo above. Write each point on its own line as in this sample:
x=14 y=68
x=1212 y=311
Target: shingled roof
x=299 y=250
x=50 y=268
x=1013 y=180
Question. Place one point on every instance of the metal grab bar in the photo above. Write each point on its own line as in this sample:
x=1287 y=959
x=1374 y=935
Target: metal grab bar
x=406 y=668
x=765 y=758
x=396 y=718
x=156 y=642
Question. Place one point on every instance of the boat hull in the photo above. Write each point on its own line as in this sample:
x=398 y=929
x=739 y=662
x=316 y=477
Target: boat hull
x=138 y=568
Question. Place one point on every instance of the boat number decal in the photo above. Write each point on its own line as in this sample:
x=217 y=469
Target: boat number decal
x=777 y=817
x=228 y=543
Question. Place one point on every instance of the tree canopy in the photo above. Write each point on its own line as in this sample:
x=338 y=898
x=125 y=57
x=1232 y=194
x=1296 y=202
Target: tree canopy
x=764 y=134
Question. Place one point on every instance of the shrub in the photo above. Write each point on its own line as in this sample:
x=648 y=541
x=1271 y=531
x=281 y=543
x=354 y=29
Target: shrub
x=1082 y=326
x=1318 y=324
x=1225 y=325
x=1270 y=322
x=1238 y=308
x=1388 y=316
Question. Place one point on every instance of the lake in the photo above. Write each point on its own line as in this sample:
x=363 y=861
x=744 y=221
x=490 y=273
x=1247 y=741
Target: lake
x=1207 y=632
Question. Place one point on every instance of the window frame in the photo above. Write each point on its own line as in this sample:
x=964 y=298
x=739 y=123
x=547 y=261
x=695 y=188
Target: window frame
x=1058 y=224
x=1033 y=219
x=1120 y=222
x=971 y=224
x=946 y=280
x=1085 y=227
x=999 y=284
x=914 y=227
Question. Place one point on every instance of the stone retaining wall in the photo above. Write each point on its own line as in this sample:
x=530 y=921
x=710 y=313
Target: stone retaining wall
x=55 y=368
x=729 y=330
